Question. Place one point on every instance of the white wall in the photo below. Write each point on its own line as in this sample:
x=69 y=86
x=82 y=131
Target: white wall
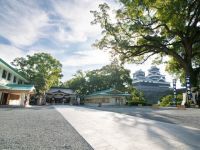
x=15 y=101
x=112 y=101
x=13 y=73
x=0 y=96
x=22 y=99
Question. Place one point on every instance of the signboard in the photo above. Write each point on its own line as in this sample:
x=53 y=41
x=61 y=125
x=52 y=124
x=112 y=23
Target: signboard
x=188 y=88
x=174 y=89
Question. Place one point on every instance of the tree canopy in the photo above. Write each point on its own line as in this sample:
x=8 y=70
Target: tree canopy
x=41 y=69
x=77 y=83
x=109 y=76
x=143 y=28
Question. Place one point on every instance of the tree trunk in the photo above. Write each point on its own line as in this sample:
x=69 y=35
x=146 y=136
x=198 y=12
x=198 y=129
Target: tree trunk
x=189 y=71
x=193 y=76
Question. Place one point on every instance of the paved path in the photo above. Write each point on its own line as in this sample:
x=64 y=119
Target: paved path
x=189 y=117
x=110 y=130
x=37 y=128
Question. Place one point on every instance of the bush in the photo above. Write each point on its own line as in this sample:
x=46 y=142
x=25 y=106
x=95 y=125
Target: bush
x=168 y=100
x=165 y=101
x=136 y=98
x=135 y=103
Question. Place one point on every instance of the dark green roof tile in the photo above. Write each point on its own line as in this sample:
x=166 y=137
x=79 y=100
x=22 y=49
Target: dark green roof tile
x=25 y=87
x=108 y=92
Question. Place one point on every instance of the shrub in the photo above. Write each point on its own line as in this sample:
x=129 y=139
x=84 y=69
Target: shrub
x=136 y=98
x=135 y=103
x=168 y=100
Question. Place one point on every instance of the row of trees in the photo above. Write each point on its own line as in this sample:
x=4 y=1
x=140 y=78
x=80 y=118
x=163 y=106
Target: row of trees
x=44 y=71
x=109 y=76
x=113 y=75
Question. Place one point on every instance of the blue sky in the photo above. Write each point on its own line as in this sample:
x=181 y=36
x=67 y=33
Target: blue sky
x=59 y=27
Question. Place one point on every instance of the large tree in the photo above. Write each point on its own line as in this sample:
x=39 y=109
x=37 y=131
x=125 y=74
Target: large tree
x=143 y=28
x=41 y=69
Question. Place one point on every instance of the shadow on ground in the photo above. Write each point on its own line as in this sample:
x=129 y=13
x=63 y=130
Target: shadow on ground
x=165 y=136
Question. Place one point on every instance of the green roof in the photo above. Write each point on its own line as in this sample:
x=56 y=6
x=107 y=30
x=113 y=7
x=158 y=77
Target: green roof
x=18 y=87
x=15 y=70
x=108 y=92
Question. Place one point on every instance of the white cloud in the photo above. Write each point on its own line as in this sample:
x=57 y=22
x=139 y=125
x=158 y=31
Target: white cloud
x=76 y=15
x=21 y=21
x=9 y=53
x=89 y=57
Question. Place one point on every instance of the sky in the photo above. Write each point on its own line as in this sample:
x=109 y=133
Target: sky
x=59 y=27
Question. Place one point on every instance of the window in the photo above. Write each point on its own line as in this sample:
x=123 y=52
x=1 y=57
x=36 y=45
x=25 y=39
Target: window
x=20 y=82
x=9 y=76
x=14 y=79
x=14 y=97
x=4 y=74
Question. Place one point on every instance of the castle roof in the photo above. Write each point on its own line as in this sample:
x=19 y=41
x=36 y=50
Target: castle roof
x=153 y=77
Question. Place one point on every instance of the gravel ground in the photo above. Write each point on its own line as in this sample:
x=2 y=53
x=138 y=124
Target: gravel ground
x=189 y=117
x=37 y=128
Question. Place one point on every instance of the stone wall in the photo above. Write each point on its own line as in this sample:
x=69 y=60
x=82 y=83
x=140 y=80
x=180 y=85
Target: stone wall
x=153 y=94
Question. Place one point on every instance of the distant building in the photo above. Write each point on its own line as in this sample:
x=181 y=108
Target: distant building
x=106 y=97
x=61 y=95
x=153 y=85
x=14 y=89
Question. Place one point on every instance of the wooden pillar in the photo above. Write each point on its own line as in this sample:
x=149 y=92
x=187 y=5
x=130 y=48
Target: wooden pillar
x=7 y=101
x=28 y=98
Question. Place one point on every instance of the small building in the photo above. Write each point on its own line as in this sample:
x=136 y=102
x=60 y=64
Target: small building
x=14 y=89
x=106 y=97
x=61 y=95
x=153 y=85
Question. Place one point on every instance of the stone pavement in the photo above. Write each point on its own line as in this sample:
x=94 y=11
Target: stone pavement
x=189 y=117
x=110 y=130
x=37 y=128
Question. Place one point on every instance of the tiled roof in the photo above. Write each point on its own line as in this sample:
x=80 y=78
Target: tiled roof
x=18 y=87
x=60 y=89
x=108 y=92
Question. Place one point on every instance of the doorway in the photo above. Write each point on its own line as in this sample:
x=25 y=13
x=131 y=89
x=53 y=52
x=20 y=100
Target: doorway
x=4 y=98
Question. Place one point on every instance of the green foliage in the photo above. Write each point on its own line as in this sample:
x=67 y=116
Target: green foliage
x=153 y=27
x=174 y=68
x=41 y=69
x=168 y=100
x=77 y=83
x=109 y=76
x=136 y=97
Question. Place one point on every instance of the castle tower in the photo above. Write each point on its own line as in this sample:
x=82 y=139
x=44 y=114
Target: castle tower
x=153 y=85
x=138 y=76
